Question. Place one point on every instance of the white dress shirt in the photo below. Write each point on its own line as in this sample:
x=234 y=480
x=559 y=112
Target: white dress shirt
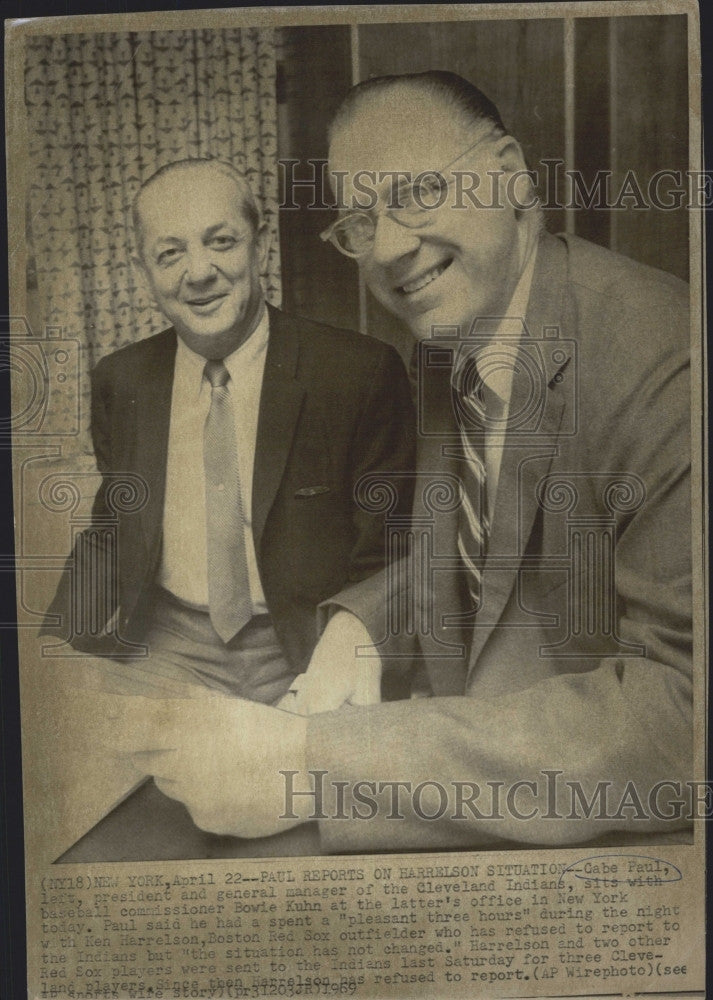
x=184 y=558
x=498 y=382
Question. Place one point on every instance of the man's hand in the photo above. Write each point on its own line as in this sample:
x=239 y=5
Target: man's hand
x=218 y=755
x=341 y=672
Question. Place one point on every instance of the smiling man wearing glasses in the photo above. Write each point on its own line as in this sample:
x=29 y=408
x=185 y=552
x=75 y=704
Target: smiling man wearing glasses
x=541 y=625
x=418 y=246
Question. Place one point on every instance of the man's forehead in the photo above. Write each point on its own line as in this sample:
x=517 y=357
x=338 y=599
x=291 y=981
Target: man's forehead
x=408 y=132
x=181 y=190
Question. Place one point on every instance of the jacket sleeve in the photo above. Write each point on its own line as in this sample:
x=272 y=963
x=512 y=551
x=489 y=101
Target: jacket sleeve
x=61 y=619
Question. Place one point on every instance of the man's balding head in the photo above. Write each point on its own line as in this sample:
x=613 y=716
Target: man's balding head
x=458 y=97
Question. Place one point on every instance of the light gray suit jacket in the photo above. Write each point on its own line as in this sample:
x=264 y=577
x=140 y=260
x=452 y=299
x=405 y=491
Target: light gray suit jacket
x=580 y=658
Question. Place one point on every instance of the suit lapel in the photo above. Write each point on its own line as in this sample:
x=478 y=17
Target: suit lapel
x=280 y=403
x=528 y=452
x=154 y=386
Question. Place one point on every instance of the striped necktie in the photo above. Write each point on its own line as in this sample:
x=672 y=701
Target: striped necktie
x=473 y=521
x=228 y=582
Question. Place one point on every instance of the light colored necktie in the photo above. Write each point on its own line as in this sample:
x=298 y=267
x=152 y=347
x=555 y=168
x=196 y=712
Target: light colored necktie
x=473 y=521
x=228 y=582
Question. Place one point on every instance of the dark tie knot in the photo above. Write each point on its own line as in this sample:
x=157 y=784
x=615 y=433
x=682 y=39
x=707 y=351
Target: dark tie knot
x=216 y=373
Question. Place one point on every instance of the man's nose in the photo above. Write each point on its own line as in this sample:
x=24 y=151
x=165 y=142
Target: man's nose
x=199 y=265
x=392 y=240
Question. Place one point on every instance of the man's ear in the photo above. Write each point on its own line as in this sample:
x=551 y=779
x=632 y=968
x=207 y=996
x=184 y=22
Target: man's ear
x=508 y=152
x=517 y=186
x=262 y=242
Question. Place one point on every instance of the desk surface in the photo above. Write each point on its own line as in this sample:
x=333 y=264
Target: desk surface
x=148 y=826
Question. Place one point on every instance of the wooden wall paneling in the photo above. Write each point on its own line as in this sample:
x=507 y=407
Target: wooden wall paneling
x=315 y=75
x=592 y=121
x=649 y=82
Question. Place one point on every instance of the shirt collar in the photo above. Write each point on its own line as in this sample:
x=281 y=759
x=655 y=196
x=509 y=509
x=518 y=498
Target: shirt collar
x=251 y=349
x=505 y=340
x=508 y=334
x=190 y=365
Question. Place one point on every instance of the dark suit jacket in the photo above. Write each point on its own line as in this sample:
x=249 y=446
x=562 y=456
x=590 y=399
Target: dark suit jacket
x=334 y=406
x=576 y=660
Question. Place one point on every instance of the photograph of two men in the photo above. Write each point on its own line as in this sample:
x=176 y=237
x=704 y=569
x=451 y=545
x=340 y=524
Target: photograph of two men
x=356 y=433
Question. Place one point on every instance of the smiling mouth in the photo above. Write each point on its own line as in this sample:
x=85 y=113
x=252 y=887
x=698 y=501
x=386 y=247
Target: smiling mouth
x=409 y=287
x=205 y=303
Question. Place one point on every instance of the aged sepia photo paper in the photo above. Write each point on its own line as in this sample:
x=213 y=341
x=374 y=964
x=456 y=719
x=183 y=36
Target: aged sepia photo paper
x=360 y=524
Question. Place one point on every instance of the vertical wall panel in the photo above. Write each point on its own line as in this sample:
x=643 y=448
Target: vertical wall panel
x=650 y=132
x=592 y=124
x=314 y=78
x=569 y=108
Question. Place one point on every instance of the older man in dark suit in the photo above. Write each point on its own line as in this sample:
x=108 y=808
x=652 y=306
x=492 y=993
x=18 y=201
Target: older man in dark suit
x=246 y=431
x=538 y=639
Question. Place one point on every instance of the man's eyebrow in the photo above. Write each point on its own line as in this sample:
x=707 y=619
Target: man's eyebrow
x=395 y=184
x=212 y=230
x=162 y=240
x=383 y=184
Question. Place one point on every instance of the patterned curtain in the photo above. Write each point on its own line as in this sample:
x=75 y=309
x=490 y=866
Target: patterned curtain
x=104 y=112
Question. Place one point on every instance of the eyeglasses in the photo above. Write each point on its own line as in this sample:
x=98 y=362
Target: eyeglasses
x=412 y=206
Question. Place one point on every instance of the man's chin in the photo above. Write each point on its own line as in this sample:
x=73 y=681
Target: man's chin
x=438 y=323
x=451 y=311
x=212 y=344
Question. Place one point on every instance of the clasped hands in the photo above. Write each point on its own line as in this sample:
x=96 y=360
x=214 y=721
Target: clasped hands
x=223 y=757
x=337 y=674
